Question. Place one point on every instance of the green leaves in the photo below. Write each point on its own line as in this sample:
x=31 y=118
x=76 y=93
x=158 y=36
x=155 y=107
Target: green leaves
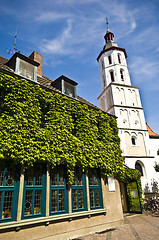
x=37 y=125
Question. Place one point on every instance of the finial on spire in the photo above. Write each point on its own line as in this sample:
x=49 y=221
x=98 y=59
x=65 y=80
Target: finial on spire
x=107 y=23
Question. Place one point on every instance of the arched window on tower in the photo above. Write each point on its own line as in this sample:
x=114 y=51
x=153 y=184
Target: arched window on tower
x=122 y=74
x=102 y=64
x=133 y=141
x=109 y=59
x=112 y=76
x=139 y=168
x=119 y=58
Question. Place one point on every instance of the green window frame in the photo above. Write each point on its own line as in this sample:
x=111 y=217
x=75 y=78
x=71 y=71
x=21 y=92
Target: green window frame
x=34 y=196
x=78 y=192
x=58 y=191
x=95 y=190
x=9 y=186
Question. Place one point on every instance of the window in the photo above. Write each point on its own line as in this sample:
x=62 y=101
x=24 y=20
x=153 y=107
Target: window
x=133 y=141
x=136 y=122
x=34 y=192
x=58 y=191
x=26 y=69
x=69 y=89
x=139 y=167
x=112 y=76
x=9 y=183
x=95 y=190
x=122 y=74
x=104 y=84
x=124 y=121
x=109 y=59
x=78 y=189
x=102 y=64
x=119 y=58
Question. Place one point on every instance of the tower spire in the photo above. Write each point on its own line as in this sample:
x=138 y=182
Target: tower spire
x=109 y=36
x=107 y=23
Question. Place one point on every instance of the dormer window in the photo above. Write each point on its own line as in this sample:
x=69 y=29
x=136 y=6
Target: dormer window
x=23 y=66
x=66 y=86
x=26 y=69
x=69 y=89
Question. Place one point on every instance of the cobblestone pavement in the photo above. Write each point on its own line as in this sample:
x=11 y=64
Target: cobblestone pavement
x=136 y=227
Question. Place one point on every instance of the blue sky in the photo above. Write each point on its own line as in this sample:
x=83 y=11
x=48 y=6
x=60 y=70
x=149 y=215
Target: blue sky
x=70 y=35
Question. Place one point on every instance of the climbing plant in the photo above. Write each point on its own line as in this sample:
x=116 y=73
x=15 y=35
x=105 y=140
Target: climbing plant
x=38 y=125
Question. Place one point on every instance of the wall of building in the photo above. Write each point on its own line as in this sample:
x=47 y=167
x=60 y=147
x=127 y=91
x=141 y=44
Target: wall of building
x=69 y=225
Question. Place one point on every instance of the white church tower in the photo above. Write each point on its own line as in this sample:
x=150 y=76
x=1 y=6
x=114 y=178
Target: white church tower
x=121 y=99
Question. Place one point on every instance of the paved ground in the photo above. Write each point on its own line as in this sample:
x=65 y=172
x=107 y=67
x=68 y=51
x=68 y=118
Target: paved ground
x=136 y=227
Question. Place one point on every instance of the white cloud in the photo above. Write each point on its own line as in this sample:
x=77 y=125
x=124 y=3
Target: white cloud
x=58 y=44
x=85 y=28
x=145 y=72
x=51 y=16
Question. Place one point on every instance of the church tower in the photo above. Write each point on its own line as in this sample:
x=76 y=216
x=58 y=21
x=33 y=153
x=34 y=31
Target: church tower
x=121 y=99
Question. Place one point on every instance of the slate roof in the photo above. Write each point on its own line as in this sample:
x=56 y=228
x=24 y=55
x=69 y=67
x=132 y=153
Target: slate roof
x=43 y=81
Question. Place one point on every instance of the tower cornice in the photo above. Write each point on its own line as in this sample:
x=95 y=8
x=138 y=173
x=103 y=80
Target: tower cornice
x=116 y=84
x=112 y=48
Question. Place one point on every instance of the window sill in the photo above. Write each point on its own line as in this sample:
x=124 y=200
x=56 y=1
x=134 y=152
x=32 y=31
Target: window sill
x=46 y=220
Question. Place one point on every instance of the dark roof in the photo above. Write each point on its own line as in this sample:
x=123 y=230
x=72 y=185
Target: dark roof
x=111 y=48
x=23 y=57
x=66 y=79
x=43 y=81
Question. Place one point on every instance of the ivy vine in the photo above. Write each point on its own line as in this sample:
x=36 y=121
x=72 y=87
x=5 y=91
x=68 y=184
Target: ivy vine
x=38 y=125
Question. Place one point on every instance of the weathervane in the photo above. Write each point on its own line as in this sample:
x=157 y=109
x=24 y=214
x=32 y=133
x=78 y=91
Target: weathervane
x=107 y=23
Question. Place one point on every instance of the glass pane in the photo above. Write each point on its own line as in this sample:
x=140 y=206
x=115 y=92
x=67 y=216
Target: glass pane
x=54 y=201
x=7 y=204
x=133 y=197
x=2 y=168
x=75 y=200
x=81 y=198
x=0 y=197
x=97 y=197
x=30 y=174
x=92 y=202
x=38 y=175
x=68 y=89
x=10 y=176
x=61 y=176
x=37 y=203
x=61 y=200
x=95 y=180
x=54 y=178
x=90 y=178
x=74 y=180
x=80 y=178
x=95 y=177
x=28 y=202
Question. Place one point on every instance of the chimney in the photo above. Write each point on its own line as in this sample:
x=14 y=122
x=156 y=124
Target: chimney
x=37 y=57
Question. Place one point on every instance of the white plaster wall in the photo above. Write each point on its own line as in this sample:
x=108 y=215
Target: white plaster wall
x=149 y=172
x=154 y=146
x=115 y=67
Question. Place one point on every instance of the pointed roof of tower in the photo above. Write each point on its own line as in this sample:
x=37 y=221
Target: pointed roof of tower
x=110 y=44
x=151 y=132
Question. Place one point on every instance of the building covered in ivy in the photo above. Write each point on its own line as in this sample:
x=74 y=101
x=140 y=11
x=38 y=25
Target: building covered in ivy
x=61 y=168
